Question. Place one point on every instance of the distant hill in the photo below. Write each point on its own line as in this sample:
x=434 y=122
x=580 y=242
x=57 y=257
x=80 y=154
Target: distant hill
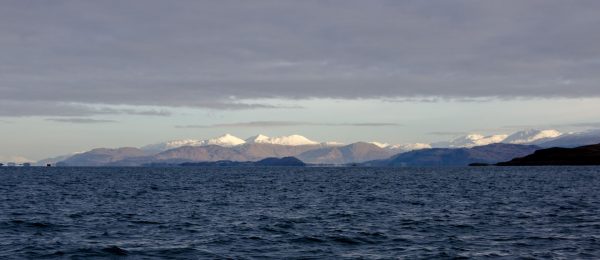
x=353 y=153
x=491 y=153
x=103 y=156
x=250 y=151
x=53 y=160
x=584 y=155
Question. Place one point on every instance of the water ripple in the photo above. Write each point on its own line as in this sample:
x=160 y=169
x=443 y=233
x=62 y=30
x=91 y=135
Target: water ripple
x=300 y=213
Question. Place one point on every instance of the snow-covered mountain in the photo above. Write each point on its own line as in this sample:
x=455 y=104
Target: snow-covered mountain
x=531 y=136
x=471 y=140
x=226 y=140
x=291 y=140
x=229 y=147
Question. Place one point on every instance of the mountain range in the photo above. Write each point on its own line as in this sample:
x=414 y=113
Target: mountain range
x=491 y=153
x=229 y=147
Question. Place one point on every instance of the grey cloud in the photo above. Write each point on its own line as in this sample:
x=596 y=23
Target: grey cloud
x=215 y=54
x=284 y=124
x=81 y=120
x=370 y=124
x=561 y=125
x=447 y=133
x=586 y=125
x=129 y=111
x=42 y=108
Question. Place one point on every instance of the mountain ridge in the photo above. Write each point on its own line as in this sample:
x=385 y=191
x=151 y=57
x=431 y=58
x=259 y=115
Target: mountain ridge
x=229 y=147
x=491 y=153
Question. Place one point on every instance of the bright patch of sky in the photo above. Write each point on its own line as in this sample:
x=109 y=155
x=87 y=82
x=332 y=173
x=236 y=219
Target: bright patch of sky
x=318 y=119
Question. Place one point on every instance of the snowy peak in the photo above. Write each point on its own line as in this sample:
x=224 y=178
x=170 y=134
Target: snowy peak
x=292 y=140
x=226 y=140
x=531 y=136
x=380 y=145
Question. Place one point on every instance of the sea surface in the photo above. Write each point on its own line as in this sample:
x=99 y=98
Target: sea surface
x=300 y=213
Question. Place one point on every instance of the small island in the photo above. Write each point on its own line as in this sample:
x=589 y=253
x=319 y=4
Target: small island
x=267 y=162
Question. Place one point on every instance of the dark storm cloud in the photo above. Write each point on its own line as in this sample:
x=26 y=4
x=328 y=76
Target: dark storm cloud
x=284 y=124
x=81 y=120
x=220 y=54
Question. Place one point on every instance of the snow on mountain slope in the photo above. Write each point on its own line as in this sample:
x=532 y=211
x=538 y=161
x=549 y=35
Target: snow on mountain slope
x=332 y=143
x=226 y=140
x=471 y=140
x=292 y=140
x=159 y=147
x=409 y=147
x=402 y=147
x=531 y=136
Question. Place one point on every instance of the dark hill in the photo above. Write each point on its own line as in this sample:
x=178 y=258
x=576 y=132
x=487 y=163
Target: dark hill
x=584 y=155
x=285 y=161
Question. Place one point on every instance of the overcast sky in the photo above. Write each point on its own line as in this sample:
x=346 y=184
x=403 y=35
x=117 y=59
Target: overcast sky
x=81 y=74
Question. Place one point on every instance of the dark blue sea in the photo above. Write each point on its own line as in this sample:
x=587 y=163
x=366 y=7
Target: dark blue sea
x=300 y=213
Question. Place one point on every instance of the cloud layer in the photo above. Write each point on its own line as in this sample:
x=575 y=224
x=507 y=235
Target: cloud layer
x=216 y=54
x=81 y=120
x=12 y=108
x=285 y=124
